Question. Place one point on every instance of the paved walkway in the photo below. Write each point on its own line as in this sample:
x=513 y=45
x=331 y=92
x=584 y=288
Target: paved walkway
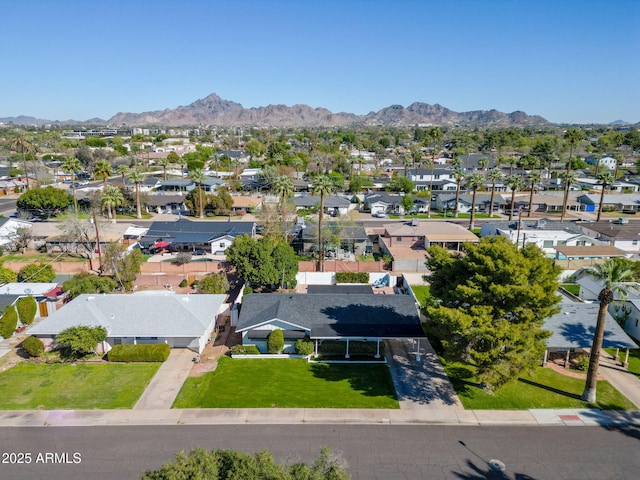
x=625 y=381
x=166 y=383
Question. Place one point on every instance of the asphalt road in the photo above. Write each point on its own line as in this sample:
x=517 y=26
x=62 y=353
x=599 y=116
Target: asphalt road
x=7 y=206
x=370 y=452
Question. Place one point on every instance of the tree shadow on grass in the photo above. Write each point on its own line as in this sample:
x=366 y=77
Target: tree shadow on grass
x=369 y=380
x=549 y=389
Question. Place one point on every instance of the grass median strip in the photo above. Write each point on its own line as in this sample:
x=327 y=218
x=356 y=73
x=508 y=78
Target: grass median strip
x=544 y=388
x=66 y=386
x=290 y=383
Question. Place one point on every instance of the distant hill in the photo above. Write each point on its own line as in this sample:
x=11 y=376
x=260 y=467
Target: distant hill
x=216 y=111
x=24 y=120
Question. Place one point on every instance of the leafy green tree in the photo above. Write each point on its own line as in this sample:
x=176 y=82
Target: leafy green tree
x=200 y=464
x=27 y=308
x=7 y=275
x=612 y=274
x=263 y=263
x=401 y=184
x=275 y=341
x=122 y=265
x=47 y=202
x=214 y=283
x=407 y=203
x=357 y=183
x=81 y=340
x=88 y=283
x=492 y=302
x=8 y=321
x=36 y=272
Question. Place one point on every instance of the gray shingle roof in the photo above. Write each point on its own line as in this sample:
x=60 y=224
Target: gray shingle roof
x=188 y=231
x=334 y=315
x=141 y=315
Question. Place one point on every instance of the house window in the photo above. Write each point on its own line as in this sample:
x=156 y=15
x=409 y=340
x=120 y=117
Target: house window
x=437 y=177
x=634 y=242
x=399 y=239
x=222 y=244
x=636 y=323
x=547 y=244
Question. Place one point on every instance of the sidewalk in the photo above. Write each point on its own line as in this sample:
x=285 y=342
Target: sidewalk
x=625 y=381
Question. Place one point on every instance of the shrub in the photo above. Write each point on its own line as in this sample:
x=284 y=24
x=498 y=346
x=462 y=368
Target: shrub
x=583 y=363
x=36 y=272
x=247 y=290
x=33 y=346
x=183 y=283
x=157 y=352
x=245 y=350
x=304 y=346
x=214 y=283
x=27 y=308
x=182 y=258
x=275 y=341
x=352 y=277
x=8 y=322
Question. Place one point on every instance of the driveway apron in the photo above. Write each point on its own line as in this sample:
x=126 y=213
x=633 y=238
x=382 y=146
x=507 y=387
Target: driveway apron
x=165 y=385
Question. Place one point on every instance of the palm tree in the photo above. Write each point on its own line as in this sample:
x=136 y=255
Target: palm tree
x=515 y=183
x=495 y=175
x=322 y=185
x=137 y=177
x=573 y=137
x=24 y=146
x=163 y=162
x=123 y=170
x=483 y=163
x=111 y=198
x=612 y=273
x=102 y=171
x=458 y=175
x=474 y=182
x=606 y=179
x=72 y=165
x=569 y=179
x=512 y=161
x=534 y=179
x=430 y=162
x=282 y=186
x=198 y=176
x=619 y=158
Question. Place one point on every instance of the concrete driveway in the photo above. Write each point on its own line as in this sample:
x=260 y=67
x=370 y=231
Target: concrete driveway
x=167 y=382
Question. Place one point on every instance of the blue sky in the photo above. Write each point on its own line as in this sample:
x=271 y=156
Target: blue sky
x=569 y=61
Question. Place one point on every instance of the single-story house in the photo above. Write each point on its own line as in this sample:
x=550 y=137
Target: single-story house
x=333 y=204
x=623 y=234
x=383 y=202
x=176 y=185
x=350 y=238
x=243 y=203
x=181 y=321
x=187 y=235
x=46 y=294
x=342 y=317
x=9 y=229
x=626 y=203
x=165 y=204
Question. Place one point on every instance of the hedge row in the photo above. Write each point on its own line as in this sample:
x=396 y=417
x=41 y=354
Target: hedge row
x=352 y=277
x=245 y=350
x=157 y=352
x=8 y=322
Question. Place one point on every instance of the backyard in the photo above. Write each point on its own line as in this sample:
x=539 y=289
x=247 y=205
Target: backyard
x=291 y=383
x=544 y=388
x=29 y=386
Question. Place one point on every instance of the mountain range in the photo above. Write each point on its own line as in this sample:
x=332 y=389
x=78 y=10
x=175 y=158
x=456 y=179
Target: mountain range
x=216 y=111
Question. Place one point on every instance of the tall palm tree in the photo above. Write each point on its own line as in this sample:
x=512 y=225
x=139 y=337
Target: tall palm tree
x=24 y=146
x=569 y=179
x=495 y=175
x=137 y=177
x=512 y=161
x=606 y=179
x=458 y=176
x=534 y=179
x=619 y=158
x=474 y=182
x=72 y=165
x=123 y=170
x=102 y=171
x=483 y=163
x=198 y=176
x=612 y=273
x=322 y=185
x=430 y=163
x=515 y=183
x=573 y=136
x=111 y=197
x=163 y=162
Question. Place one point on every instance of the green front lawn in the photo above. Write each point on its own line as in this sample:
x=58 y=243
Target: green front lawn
x=634 y=358
x=290 y=383
x=544 y=389
x=30 y=386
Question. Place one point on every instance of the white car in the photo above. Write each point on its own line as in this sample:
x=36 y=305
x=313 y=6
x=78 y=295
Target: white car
x=379 y=215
